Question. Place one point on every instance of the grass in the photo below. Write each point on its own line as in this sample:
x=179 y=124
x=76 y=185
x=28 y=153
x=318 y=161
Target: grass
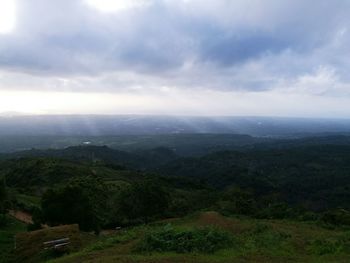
x=168 y=238
x=28 y=202
x=254 y=241
x=7 y=234
x=30 y=246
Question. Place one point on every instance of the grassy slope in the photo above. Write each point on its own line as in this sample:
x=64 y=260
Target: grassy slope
x=255 y=241
x=7 y=234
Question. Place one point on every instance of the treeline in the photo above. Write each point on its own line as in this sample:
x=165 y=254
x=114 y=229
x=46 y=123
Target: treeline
x=302 y=183
x=95 y=205
x=316 y=177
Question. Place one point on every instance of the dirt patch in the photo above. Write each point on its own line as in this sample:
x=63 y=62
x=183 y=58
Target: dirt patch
x=21 y=216
x=215 y=219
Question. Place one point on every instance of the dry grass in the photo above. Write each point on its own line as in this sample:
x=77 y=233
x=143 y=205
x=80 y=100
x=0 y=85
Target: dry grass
x=30 y=244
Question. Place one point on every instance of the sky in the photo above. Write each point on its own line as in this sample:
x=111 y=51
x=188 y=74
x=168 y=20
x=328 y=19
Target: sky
x=176 y=57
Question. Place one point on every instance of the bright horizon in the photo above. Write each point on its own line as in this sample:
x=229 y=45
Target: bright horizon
x=167 y=57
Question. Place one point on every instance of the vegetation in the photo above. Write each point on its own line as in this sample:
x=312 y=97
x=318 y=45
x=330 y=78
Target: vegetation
x=81 y=201
x=142 y=201
x=168 y=239
x=7 y=233
x=236 y=240
x=30 y=244
x=271 y=203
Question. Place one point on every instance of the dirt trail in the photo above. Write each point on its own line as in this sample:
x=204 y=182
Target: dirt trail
x=21 y=216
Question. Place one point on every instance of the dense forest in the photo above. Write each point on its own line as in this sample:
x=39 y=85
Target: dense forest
x=99 y=188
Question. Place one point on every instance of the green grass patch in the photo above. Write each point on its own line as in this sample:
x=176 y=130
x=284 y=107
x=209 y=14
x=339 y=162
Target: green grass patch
x=169 y=239
x=333 y=245
x=120 y=238
x=28 y=202
x=7 y=233
x=263 y=239
x=209 y=237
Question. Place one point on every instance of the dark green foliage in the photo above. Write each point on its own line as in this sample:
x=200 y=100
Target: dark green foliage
x=298 y=175
x=264 y=238
x=337 y=217
x=33 y=227
x=325 y=246
x=27 y=203
x=340 y=244
x=206 y=240
x=278 y=210
x=3 y=196
x=184 y=202
x=41 y=171
x=3 y=220
x=37 y=218
x=143 y=201
x=268 y=183
x=7 y=233
x=238 y=201
x=81 y=201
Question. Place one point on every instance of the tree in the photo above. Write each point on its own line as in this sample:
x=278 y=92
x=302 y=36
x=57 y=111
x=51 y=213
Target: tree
x=81 y=201
x=143 y=201
x=238 y=201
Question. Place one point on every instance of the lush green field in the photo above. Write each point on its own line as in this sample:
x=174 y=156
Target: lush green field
x=252 y=241
x=7 y=234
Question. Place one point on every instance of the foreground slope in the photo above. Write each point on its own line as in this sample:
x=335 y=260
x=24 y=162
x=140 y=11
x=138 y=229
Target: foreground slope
x=253 y=241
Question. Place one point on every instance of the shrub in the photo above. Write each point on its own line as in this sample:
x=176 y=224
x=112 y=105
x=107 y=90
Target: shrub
x=326 y=246
x=264 y=238
x=143 y=201
x=331 y=246
x=33 y=227
x=337 y=217
x=3 y=220
x=207 y=240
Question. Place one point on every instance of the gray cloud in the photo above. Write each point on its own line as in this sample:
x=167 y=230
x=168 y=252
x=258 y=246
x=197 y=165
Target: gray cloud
x=219 y=45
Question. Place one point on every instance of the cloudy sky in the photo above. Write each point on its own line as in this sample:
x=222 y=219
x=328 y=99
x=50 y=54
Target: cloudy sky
x=183 y=57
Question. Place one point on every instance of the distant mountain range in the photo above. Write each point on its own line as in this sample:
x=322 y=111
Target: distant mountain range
x=103 y=125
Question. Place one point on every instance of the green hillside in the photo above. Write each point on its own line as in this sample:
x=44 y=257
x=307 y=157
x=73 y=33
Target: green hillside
x=250 y=241
x=267 y=205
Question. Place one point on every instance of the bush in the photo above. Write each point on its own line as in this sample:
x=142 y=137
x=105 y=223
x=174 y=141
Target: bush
x=309 y=216
x=143 y=201
x=80 y=201
x=278 y=210
x=3 y=220
x=337 y=217
x=264 y=238
x=207 y=240
x=237 y=201
x=33 y=227
x=331 y=246
x=325 y=246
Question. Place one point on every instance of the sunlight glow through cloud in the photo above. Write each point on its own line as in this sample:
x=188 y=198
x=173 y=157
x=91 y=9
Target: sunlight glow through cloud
x=7 y=16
